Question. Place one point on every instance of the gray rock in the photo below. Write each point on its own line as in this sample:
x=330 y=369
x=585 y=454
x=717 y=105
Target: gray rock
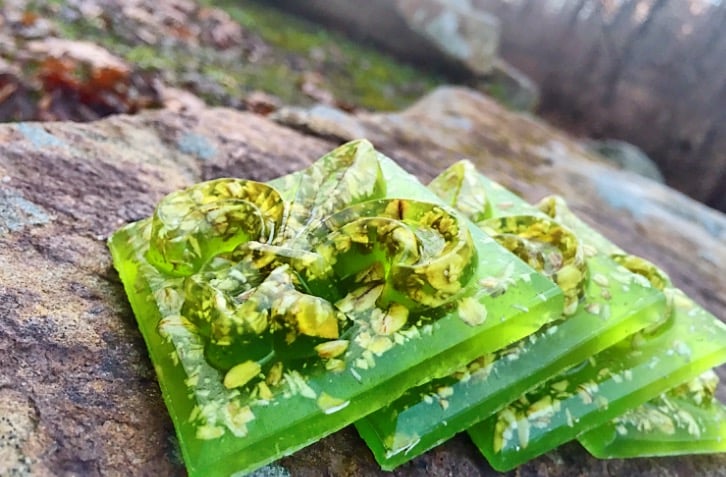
x=322 y=120
x=16 y=212
x=451 y=35
x=78 y=395
x=510 y=86
x=627 y=156
x=464 y=33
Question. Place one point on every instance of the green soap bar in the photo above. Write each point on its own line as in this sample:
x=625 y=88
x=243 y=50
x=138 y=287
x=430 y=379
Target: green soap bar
x=607 y=385
x=278 y=313
x=685 y=420
x=432 y=413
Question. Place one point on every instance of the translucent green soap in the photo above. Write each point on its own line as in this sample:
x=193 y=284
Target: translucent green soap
x=685 y=420
x=432 y=413
x=278 y=313
x=612 y=383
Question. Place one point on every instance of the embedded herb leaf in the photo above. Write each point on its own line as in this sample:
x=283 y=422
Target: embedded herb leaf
x=343 y=177
x=460 y=188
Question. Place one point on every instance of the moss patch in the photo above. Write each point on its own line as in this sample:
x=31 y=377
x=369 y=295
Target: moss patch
x=354 y=73
x=291 y=55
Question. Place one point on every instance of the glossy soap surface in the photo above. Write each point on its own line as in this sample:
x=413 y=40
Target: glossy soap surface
x=278 y=313
x=609 y=385
x=684 y=420
x=429 y=414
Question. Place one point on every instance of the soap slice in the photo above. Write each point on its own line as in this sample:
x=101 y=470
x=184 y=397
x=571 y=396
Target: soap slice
x=278 y=313
x=432 y=413
x=686 y=326
x=685 y=420
x=609 y=384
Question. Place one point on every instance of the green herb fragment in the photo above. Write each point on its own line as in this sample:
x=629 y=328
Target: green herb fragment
x=320 y=296
x=432 y=413
x=545 y=245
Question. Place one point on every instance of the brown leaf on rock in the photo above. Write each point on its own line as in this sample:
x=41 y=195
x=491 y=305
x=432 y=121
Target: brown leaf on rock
x=262 y=103
x=28 y=18
x=15 y=102
x=77 y=81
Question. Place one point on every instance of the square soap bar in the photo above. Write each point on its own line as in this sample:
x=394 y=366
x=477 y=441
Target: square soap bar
x=687 y=343
x=432 y=413
x=278 y=313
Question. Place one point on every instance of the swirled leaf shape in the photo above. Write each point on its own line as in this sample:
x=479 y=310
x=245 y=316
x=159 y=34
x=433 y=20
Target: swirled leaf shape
x=548 y=247
x=654 y=275
x=190 y=226
x=421 y=253
x=545 y=244
x=263 y=274
x=556 y=209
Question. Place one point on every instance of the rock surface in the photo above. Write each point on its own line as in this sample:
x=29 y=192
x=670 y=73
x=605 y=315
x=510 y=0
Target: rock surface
x=510 y=86
x=461 y=31
x=436 y=33
x=626 y=156
x=78 y=395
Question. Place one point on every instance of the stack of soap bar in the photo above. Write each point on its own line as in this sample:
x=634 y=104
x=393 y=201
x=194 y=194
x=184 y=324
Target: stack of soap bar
x=604 y=387
x=432 y=413
x=278 y=313
x=685 y=420
x=611 y=389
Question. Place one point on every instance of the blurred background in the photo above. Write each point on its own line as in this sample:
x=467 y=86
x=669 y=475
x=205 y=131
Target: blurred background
x=640 y=81
x=652 y=72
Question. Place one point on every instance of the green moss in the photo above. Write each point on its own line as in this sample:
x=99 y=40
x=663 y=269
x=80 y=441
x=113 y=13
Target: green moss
x=354 y=74
x=148 y=57
x=280 y=30
x=498 y=91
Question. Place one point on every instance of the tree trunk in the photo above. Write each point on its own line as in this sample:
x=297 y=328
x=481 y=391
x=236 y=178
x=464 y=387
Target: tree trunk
x=612 y=80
